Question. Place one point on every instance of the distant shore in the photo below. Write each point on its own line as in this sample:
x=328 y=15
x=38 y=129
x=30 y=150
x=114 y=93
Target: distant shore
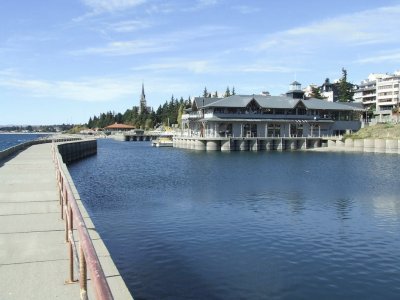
x=18 y=132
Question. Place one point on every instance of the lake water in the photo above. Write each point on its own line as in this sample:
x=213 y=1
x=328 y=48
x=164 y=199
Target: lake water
x=8 y=140
x=181 y=224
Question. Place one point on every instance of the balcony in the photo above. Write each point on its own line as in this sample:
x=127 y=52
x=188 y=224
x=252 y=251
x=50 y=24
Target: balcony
x=258 y=116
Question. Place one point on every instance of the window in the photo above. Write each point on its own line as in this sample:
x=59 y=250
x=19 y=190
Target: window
x=274 y=130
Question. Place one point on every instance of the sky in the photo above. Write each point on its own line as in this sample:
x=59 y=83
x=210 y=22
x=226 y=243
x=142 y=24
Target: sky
x=63 y=61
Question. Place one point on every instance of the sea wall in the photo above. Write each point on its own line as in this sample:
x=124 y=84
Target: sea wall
x=20 y=147
x=69 y=152
x=246 y=144
x=76 y=150
x=365 y=145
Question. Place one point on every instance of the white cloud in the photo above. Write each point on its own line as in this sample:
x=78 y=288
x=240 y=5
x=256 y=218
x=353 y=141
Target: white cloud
x=216 y=66
x=245 y=9
x=129 y=26
x=153 y=45
x=111 y=5
x=362 y=28
x=195 y=66
x=122 y=48
x=85 y=89
x=392 y=57
x=268 y=68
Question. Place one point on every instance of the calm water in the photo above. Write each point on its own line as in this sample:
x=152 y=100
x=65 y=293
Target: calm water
x=195 y=225
x=8 y=140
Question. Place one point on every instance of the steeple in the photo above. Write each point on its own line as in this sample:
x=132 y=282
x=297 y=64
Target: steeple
x=143 y=104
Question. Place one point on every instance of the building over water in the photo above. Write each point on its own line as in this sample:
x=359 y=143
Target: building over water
x=270 y=116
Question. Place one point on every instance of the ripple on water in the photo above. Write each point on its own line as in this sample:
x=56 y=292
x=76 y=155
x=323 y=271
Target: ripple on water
x=196 y=225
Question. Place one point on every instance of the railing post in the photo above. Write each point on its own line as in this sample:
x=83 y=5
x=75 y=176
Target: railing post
x=71 y=262
x=62 y=196
x=83 y=273
x=69 y=236
x=67 y=226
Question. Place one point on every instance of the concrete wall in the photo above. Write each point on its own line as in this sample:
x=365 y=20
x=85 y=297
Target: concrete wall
x=7 y=153
x=72 y=151
x=246 y=144
x=366 y=145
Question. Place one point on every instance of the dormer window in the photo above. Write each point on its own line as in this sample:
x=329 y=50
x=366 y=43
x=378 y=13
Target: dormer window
x=253 y=107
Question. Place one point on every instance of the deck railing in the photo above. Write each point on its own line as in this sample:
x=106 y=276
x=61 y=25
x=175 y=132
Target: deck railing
x=81 y=251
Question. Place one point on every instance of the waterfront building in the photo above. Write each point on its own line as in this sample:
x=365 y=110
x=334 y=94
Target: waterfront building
x=380 y=93
x=269 y=116
x=366 y=92
x=387 y=97
x=118 y=128
x=295 y=91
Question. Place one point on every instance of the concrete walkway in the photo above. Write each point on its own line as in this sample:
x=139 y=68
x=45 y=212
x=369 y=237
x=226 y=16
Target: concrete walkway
x=33 y=253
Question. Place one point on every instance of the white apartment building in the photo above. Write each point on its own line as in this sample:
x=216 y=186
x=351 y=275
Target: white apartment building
x=380 y=93
x=366 y=92
x=387 y=97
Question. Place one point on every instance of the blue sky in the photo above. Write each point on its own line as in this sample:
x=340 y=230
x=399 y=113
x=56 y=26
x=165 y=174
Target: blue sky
x=62 y=61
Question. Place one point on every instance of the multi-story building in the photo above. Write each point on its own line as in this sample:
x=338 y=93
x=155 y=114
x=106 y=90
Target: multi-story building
x=270 y=116
x=366 y=92
x=379 y=94
x=330 y=90
x=387 y=97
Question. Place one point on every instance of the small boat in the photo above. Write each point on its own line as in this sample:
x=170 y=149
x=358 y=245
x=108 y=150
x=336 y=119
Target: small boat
x=163 y=141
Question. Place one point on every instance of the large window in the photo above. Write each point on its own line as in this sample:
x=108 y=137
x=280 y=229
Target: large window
x=250 y=130
x=274 y=130
x=296 y=130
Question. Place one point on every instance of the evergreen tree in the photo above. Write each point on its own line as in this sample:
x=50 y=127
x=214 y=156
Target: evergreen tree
x=316 y=93
x=205 y=93
x=233 y=91
x=215 y=94
x=345 y=88
x=227 y=92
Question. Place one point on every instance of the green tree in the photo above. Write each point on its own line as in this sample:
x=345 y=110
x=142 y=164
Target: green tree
x=233 y=91
x=215 y=94
x=205 y=92
x=345 y=90
x=316 y=93
x=227 y=92
x=180 y=113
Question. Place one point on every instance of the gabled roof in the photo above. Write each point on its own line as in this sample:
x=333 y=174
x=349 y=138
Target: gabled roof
x=322 y=104
x=241 y=101
x=200 y=102
x=120 y=126
x=282 y=102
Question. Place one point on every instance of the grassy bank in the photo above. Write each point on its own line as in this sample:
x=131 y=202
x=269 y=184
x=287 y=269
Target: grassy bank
x=379 y=131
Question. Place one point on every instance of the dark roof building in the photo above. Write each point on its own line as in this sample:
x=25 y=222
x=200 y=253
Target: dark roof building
x=269 y=116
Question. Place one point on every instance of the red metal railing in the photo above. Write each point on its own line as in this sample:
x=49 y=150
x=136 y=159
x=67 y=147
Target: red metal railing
x=86 y=257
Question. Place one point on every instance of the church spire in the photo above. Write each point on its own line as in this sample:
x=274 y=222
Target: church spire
x=143 y=95
x=143 y=104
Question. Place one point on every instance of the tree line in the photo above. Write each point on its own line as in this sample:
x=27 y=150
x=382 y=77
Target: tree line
x=171 y=111
x=167 y=114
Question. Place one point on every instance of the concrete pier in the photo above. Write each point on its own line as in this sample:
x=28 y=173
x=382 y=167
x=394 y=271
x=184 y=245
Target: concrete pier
x=33 y=253
x=246 y=143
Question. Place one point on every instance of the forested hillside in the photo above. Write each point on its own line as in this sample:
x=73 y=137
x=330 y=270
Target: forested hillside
x=169 y=113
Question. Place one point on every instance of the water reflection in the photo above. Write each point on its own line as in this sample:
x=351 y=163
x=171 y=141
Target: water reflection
x=198 y=225
x=343 y=208
x=387 y=207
